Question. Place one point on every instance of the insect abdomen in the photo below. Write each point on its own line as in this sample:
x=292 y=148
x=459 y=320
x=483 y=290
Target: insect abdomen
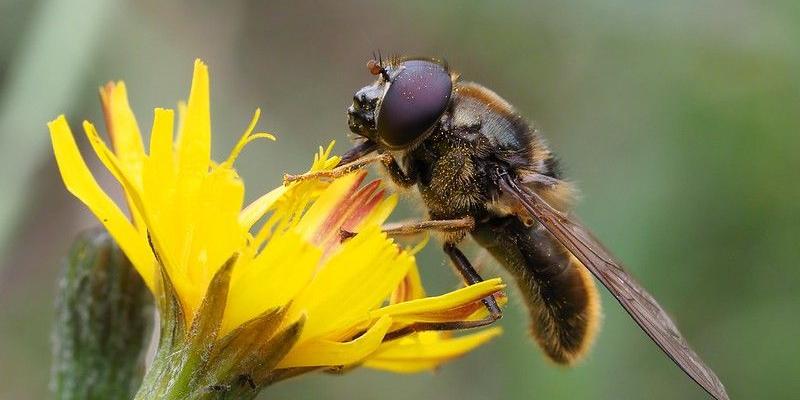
x=560 y=294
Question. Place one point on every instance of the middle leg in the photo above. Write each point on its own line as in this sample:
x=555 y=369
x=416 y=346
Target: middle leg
x=465 y=269
x=410 y=228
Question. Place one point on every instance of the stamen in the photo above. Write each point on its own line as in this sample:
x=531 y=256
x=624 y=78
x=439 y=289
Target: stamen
x=421 y=245
x=247 y=138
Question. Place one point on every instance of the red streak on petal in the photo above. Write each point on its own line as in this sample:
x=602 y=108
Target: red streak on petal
x=364 y=207
x=458 y=313
x=402 y=292
x=329 y=228
x=462 y=313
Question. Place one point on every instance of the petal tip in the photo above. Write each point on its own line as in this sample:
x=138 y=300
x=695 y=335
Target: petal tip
x=57 y=122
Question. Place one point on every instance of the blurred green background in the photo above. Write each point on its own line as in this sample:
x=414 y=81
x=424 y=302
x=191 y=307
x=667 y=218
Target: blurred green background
x=679 y=120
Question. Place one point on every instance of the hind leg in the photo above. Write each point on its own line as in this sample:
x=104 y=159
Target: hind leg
x=461 y=263
x=472 y=277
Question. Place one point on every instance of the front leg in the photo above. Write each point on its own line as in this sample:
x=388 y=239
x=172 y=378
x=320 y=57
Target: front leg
x=398 y=176
x=396 y=173
x=358 y=151
x=339 y=171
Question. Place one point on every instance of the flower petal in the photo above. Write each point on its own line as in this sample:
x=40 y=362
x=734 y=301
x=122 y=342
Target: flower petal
x=162 y=157
x=80 y=182
x=322 y=352
x=133 y=192
x=272 y=279
x=434 y=309
x=329 y=206
x=159 y=173
x=194 y=138
x=410 y=288
x=215 y=230
x=253 y=212
x=122 y=127
x=426 y=350
x=358 y=278
x=125 y=136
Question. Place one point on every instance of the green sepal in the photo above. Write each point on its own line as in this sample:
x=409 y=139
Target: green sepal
x=237 y=348
x=102 y=325
x=172 y=331
x=252 y=372
x=195 y=363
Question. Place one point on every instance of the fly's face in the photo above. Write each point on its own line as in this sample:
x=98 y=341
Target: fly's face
x=403 y=105
x=362 y=115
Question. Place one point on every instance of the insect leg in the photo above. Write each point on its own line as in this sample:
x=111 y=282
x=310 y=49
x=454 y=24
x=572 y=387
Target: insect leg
x=416 y=227
x=472 y=277
x=358 y=151
x=442 y=326
x=410 y=228
x=338 y=171
x=398 y=176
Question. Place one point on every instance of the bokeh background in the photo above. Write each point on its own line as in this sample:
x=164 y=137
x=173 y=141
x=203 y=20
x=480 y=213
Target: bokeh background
x=680 y=121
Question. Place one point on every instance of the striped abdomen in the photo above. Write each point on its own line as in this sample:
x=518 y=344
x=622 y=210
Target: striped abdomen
x=560 y=294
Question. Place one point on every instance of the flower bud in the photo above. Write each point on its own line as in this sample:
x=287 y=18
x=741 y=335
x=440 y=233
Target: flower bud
x=102 y=323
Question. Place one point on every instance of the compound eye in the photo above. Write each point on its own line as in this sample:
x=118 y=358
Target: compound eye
x=417 y=96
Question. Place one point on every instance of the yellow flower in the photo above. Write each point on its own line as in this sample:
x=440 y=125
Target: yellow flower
x=279 y=262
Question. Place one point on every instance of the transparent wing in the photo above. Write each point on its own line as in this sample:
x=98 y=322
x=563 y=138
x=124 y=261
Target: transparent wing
x=641 y=306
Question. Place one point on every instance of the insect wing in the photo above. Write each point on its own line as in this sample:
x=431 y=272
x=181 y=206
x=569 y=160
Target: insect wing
x=641 y=306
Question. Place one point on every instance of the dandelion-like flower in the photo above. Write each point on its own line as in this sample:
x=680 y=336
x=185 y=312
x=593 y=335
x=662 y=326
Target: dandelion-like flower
x=249 y=295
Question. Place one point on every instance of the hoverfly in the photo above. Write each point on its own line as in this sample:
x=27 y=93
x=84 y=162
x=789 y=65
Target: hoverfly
x=481 y=169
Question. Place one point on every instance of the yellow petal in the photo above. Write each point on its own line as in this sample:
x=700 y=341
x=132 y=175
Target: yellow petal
x=410 y=288
x=123 y=129
x=215 y=231
x=125 y=137
x=380 y=214
x=156 y=237
x=194 y=139
x=330 y=353
x=162 y=155
x=358 y=278
x=426 y=350
x=159 y=173
x=272 y=279
x=433 y=308
x=253 y=212
x=80 y=182
x=334 y=196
